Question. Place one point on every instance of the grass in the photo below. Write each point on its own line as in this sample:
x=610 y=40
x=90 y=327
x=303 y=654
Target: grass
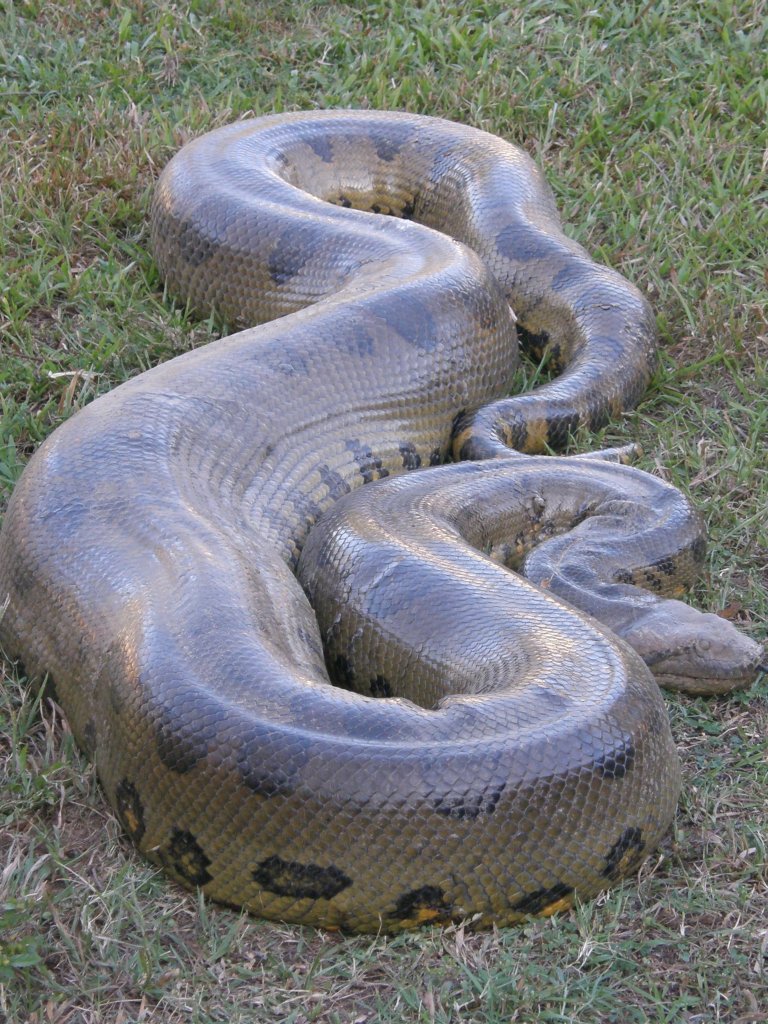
x=650 y=121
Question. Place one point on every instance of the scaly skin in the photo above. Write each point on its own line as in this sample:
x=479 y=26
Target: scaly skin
x=148 y=548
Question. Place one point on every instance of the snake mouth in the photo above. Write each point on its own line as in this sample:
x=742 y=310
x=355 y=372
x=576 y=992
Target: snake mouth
x=684 y=670
x=710 y=686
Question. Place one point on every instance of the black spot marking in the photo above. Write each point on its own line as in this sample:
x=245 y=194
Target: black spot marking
x=309 y=510
x=570 y=277
x=298 y=365
x=387 y=147
x=183 y=858
x=458 y=423
x=512 y=430
x=618 y=763
x=624 y=576
x=699 y=549
x=507 y=553
x=370 y=465
x=344 y=201
x=89 y=738
x=625 y=854
x=427 y=903
x=468 y=798
x=375 y=208
x=335 y=482
x=263 y=766
x=186 y=732
x=599 y=417
x=359 y=342
x=322 y=147
x=561 y=427
x=199 y=237
x=341 y=673
x=435 y=457
x=408 y=210
x=518 y=242
x=540 y=899
x=130 y=810
x=410 y=318
x=651 y=581
x=411 y=458
x=533 y=344
x=380 y=687
x=300 y=881
x=286 y=260
x=461 y=806
x=471 y=450
x=540 y=348
x=664 y=566
x=192 y=247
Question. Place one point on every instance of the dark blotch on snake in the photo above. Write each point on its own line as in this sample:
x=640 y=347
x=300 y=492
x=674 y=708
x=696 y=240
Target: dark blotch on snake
x=185 y=734
x=520 y=242
x=532 y=343
x=341 y=673
x=387 y=147
x=89 y=738
x=300 y=881
x=265 y=770
x=184 y=858
x=321 y=147
x=561 y=428
x=408 y=210
x=285 y=261
x=130 y=809
x=624 y=854
x=335 y=482
x=427 y=897
x=370 y=465
x=535 y=902
x=463 y=806
x=618 y=763
x=410 y=318
x=699 y=548
x=411 y=458
x=193 y=248
x=380 y=687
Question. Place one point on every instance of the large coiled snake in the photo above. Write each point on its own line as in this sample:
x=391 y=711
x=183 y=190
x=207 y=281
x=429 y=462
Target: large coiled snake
x=148 y=552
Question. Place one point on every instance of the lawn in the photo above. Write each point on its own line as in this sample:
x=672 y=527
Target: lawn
x=650 y=122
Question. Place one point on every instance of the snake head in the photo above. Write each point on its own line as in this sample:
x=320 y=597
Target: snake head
x=694 y=651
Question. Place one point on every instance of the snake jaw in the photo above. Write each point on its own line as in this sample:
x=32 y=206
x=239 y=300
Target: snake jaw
x=692 y=651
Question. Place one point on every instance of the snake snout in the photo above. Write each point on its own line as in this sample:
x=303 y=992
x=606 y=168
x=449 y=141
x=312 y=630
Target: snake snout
x=694 y=651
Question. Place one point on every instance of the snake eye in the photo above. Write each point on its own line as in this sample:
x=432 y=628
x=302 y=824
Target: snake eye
x=703 y=644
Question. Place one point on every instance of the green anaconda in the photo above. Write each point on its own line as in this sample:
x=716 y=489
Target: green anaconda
x=487 y=750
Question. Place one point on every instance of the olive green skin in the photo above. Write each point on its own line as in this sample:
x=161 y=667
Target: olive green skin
x=148 y=550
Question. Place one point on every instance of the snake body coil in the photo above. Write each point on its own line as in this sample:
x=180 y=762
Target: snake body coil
x=149 y=548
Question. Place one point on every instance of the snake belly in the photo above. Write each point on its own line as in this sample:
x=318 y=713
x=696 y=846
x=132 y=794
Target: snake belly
x=147 y=554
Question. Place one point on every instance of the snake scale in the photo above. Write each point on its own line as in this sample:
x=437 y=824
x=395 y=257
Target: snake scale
x=487 y=751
